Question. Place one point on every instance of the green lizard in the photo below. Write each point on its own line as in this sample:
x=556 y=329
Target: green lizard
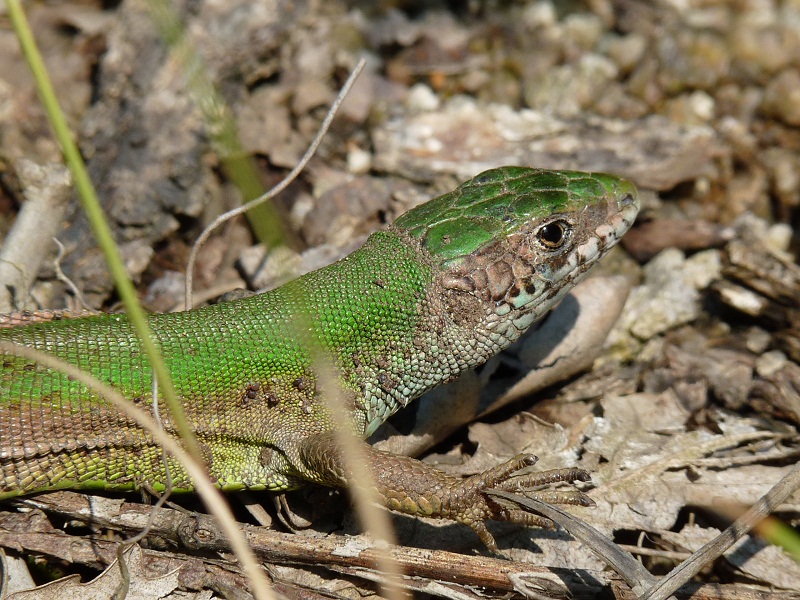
x=448 y=285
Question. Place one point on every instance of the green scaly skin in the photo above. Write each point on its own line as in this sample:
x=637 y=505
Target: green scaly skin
x=450 y=284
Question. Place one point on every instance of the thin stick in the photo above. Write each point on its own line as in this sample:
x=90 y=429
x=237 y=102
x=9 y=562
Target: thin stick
x=374 y=519
x=62 y=277
x=323 y=129
x=716 y=547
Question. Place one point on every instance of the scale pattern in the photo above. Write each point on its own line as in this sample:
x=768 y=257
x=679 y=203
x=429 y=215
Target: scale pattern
x=242 y=368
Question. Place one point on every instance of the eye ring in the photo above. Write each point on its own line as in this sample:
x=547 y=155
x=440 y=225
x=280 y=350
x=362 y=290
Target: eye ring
x=555 y=234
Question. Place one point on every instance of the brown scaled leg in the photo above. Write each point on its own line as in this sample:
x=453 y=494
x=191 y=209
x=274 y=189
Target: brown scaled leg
x=415 y=488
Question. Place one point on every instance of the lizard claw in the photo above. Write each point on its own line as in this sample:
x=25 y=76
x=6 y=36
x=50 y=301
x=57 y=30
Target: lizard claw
x=472 y=506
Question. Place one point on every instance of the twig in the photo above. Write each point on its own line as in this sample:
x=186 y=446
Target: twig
x=66 y=280
x=789 y=484
x=284 y=183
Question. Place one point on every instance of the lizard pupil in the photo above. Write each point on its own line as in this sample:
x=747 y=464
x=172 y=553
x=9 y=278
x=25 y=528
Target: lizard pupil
x=553 y=235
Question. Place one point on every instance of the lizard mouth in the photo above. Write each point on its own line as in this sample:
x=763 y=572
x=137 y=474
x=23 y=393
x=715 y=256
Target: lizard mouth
x=609 y=233
x=620 y=222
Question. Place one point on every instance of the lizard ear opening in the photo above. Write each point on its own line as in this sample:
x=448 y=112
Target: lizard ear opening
x=465 y=309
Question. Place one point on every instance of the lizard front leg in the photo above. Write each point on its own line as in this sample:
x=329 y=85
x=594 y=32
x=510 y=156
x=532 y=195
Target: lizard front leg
x=410 y=486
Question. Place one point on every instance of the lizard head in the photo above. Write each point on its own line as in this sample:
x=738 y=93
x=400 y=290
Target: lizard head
x=510 y=242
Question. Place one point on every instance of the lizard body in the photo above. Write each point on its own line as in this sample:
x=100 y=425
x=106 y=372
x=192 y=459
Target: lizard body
x=450 y=284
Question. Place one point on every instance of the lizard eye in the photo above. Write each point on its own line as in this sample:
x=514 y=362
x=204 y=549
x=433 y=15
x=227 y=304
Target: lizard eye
x=554 y=235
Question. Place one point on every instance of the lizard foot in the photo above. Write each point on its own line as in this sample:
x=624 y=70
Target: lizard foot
x=472 y=506
x=410 y=486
